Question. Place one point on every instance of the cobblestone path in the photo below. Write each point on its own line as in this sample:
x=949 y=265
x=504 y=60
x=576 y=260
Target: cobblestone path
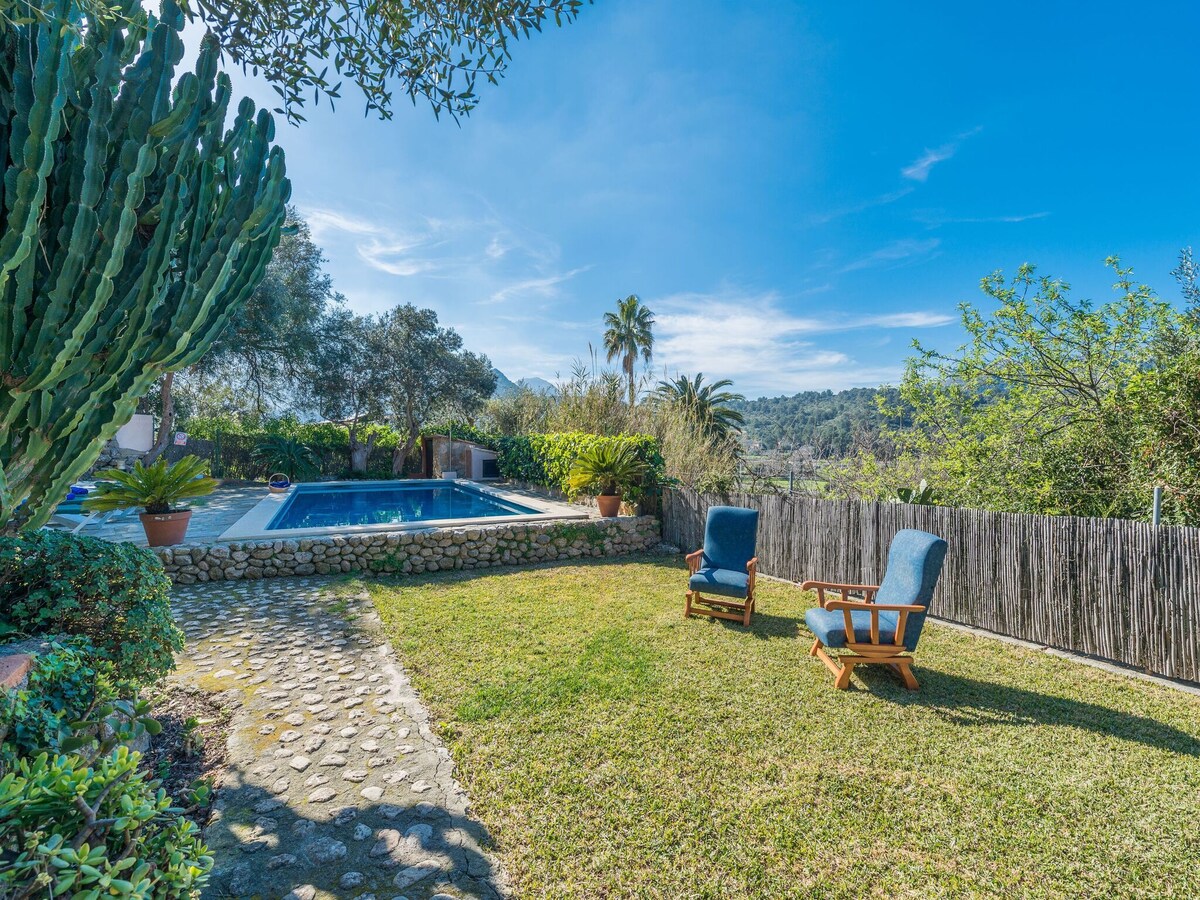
x=337 y=787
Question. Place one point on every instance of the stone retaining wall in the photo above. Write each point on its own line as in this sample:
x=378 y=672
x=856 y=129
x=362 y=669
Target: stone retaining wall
x=407 y=552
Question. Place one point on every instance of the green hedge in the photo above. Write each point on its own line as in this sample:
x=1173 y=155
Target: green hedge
x=233 y=441
x=232 y=452
x=318 y=435
x=115 y=595
x=546 y=459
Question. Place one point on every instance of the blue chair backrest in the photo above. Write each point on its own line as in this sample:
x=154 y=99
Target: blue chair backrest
x=730 y=536
x=914 y=564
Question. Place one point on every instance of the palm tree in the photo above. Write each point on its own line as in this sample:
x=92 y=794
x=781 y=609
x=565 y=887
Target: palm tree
x=629 y=333
x=708 y=404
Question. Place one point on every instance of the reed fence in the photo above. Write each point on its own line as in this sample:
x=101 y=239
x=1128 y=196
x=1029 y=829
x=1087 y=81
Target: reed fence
x=1123 y=591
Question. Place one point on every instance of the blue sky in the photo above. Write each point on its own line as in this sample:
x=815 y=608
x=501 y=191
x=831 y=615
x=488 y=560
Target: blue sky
x=796 y=190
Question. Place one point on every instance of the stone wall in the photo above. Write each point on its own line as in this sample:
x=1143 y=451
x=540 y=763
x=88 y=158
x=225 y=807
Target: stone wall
x=429 y=550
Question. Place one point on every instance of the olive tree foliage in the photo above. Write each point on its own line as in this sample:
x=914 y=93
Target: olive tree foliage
x=258 y=360
x=1163 y=410
x=435 y=50
x=268 y=346
x=1037 y=411
x=344 y=382
x=133 y=223
x=426 y=373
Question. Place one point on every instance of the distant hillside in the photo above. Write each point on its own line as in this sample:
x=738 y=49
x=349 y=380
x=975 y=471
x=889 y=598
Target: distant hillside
x=828 y=421
x=539 y=386
x=505 y=385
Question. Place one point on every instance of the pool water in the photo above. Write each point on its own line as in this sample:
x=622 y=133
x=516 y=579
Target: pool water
x=328 y=506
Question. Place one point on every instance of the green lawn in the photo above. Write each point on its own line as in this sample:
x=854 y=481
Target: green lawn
x=616 y=750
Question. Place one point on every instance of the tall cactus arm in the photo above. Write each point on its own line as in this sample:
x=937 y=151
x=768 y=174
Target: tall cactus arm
x=152 y=218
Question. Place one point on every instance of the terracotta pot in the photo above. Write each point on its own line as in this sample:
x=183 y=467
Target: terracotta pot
x=165 y=529
x=610 y=505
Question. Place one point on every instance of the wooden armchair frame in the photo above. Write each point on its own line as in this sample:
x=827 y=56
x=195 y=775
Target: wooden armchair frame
x=720 y=607
x=874 y=652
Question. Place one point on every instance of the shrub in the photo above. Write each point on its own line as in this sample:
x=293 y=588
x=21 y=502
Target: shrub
x=75 y=826
x=293 y=458
x=236 y=442
x=65 y=686
x=547 y=459
x=77 y=816
x=115 y=595
x=157 y=488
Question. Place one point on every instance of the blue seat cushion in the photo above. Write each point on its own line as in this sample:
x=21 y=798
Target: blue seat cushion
x=829 y=625
x=724 y=582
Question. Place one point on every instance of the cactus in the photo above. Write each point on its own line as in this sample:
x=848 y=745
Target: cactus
x=132 y=226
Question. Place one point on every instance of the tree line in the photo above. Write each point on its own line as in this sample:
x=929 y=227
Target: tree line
x=297 y=349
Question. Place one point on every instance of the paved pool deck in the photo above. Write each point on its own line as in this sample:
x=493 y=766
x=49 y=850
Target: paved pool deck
x=216 y=513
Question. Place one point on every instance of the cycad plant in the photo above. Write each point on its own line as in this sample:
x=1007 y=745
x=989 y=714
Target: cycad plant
x=293 y=458
x=606 y=469
x=157 y=487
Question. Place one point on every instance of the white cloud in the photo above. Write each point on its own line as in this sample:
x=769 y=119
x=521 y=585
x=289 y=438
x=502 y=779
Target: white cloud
x=919 y=169
x=497 y=248
x=381 y=246
x=896 y=251
x=762 y=347
x=323 y=221
x=936 y=219
x=397 y=257
x=541 y=287
x=485 y=258
x=881 y=200
x=910 y=320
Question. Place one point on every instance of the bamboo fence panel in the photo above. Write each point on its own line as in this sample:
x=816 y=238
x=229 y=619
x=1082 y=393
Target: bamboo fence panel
x=1110 y=588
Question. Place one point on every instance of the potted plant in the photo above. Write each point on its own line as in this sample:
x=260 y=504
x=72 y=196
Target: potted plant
x=156 y=488
x=607 y=470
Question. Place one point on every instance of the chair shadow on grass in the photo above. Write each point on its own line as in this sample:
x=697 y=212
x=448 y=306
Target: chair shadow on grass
x=763 y=626
x=973 y=703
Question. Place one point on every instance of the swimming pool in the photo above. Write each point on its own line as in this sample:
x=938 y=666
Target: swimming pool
x=350 y=507
x=325 y=506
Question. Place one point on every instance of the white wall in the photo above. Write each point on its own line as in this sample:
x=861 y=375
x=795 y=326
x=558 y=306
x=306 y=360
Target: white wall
x=478 y=455
x=137 y=433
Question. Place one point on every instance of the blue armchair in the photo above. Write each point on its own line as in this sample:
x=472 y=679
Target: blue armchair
x=887 y=622
x=725 y=566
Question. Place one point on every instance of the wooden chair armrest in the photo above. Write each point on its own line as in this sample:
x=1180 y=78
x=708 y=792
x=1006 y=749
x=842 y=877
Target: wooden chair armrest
x=837 y=585
x=881 y=607
x=821 y=587
x=849 y=606
x=751 y=570
x=693 y=561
